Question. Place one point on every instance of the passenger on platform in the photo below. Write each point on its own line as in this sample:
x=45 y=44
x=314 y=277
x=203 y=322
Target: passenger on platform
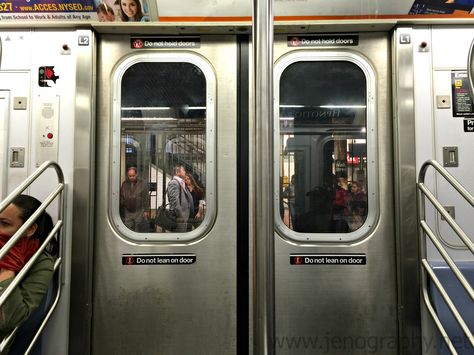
x=105 y=13
x=282 y=204
x=340 y=210
x=180 y=199
x=134 y=201
x=28 y=294
x=131 y=10
x=357 y=200
x=198 y=199
x=289 y=193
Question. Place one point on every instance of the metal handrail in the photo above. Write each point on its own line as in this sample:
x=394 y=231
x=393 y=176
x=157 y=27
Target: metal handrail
x=59 y=191
x=426 y=268
x=470 y=62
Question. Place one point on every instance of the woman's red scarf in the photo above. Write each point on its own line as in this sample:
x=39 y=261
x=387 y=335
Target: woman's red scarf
x=19 y=254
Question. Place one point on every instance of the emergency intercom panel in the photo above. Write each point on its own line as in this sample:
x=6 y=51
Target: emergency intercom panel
x=47 y=113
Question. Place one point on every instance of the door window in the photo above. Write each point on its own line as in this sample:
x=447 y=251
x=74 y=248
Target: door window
x=164 y=118
x=326 y=156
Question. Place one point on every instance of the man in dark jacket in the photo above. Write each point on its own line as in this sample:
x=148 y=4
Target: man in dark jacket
x=134 y=200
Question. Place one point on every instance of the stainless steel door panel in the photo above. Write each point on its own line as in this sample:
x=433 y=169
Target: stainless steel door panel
x=168 y=309
x=341 y=309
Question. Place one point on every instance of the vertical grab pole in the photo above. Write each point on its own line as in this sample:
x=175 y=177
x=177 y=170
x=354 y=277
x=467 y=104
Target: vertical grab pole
x=262 y=230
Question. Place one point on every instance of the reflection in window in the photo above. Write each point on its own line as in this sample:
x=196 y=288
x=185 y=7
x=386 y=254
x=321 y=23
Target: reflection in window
x=163 y=147
x=323 y=147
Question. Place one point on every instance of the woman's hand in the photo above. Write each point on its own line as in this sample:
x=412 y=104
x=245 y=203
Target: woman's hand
x=6 y=274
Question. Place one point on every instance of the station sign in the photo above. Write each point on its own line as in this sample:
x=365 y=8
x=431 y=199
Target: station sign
x=328 y=259
x=158 y=259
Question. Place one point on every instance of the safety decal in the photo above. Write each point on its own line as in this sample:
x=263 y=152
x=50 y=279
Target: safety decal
x=328 y=259
x=47 y=76
x=462 y=101
x=158 y=259
x=165 y=42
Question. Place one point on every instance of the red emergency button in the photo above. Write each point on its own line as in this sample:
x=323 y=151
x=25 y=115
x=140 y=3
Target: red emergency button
x=49 y=135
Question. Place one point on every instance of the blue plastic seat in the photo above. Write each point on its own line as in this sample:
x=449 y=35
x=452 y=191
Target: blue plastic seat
x=28 y=328
x=461 y=300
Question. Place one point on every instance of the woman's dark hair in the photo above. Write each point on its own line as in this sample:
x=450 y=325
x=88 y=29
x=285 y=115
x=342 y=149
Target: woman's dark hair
x=27 y=206
x=194 y=183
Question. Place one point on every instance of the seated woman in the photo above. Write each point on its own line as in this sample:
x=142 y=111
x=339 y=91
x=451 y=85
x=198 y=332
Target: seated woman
x=29 y=293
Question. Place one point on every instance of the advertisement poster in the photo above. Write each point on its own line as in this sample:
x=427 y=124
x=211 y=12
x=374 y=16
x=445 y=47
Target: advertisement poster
x=226 y=10
x=74 y=10
x=123 y=11
x=294 y=10
x=442 y=7
x=46 y=10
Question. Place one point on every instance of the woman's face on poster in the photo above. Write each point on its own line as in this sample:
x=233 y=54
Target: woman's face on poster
x=104 y=17
x=129 y=8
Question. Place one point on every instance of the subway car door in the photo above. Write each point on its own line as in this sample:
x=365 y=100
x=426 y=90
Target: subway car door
x=165 y=106
x=335 y=261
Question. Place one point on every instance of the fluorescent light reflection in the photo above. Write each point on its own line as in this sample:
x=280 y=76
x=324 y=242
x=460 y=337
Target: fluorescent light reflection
x=148 y=108
x=343 y=106
x=145 y=108
x=324 y=106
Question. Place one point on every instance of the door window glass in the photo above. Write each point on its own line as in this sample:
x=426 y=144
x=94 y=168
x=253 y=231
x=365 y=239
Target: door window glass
x=323 y=152
x=162 y=185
